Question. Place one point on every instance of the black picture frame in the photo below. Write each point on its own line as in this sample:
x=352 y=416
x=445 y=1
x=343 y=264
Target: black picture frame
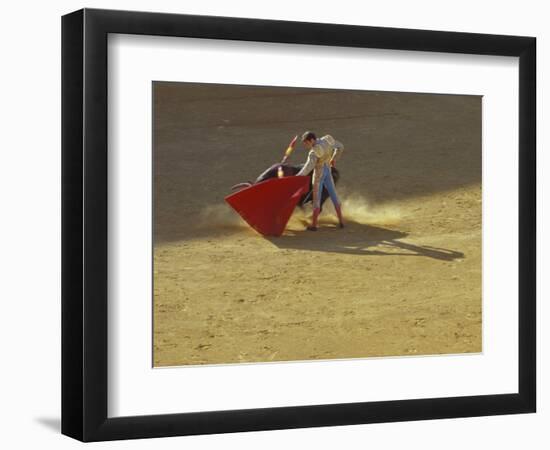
x=84 y=224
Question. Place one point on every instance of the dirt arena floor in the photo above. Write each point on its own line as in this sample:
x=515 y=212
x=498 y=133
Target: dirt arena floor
x=403 y=277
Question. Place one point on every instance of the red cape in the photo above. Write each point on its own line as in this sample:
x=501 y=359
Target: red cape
x=268 y=205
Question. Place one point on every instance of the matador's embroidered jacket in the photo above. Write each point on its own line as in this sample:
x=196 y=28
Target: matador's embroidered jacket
x=323 y=151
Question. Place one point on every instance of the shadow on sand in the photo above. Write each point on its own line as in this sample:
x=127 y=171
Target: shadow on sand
x=360 y=239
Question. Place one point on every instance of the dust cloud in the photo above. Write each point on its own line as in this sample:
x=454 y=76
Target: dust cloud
x=356 y=208
x=219 y=217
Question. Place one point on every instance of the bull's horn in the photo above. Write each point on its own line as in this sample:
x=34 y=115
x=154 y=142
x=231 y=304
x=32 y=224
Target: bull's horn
x=241 y=186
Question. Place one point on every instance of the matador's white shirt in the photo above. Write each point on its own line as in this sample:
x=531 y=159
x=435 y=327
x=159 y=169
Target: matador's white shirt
x=323 y=151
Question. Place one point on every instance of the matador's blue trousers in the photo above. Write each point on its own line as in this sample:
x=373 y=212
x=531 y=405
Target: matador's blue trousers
x=325 y=181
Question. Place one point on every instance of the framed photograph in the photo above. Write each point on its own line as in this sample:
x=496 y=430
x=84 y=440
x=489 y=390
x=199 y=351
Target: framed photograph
x=271 y=224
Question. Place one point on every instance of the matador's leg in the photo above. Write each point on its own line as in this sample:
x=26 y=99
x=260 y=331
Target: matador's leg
x=329 y=184
x=316 y=191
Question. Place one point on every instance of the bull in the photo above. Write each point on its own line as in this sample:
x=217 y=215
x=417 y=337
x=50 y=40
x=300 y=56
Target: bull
x=289 y=170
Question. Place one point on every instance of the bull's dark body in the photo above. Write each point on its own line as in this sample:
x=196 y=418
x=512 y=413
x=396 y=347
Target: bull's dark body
x=289 y=170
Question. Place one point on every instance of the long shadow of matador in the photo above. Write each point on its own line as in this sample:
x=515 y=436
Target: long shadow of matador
x=359 y=239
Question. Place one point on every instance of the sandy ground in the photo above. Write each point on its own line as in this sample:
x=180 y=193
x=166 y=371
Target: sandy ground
x=403 y=277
